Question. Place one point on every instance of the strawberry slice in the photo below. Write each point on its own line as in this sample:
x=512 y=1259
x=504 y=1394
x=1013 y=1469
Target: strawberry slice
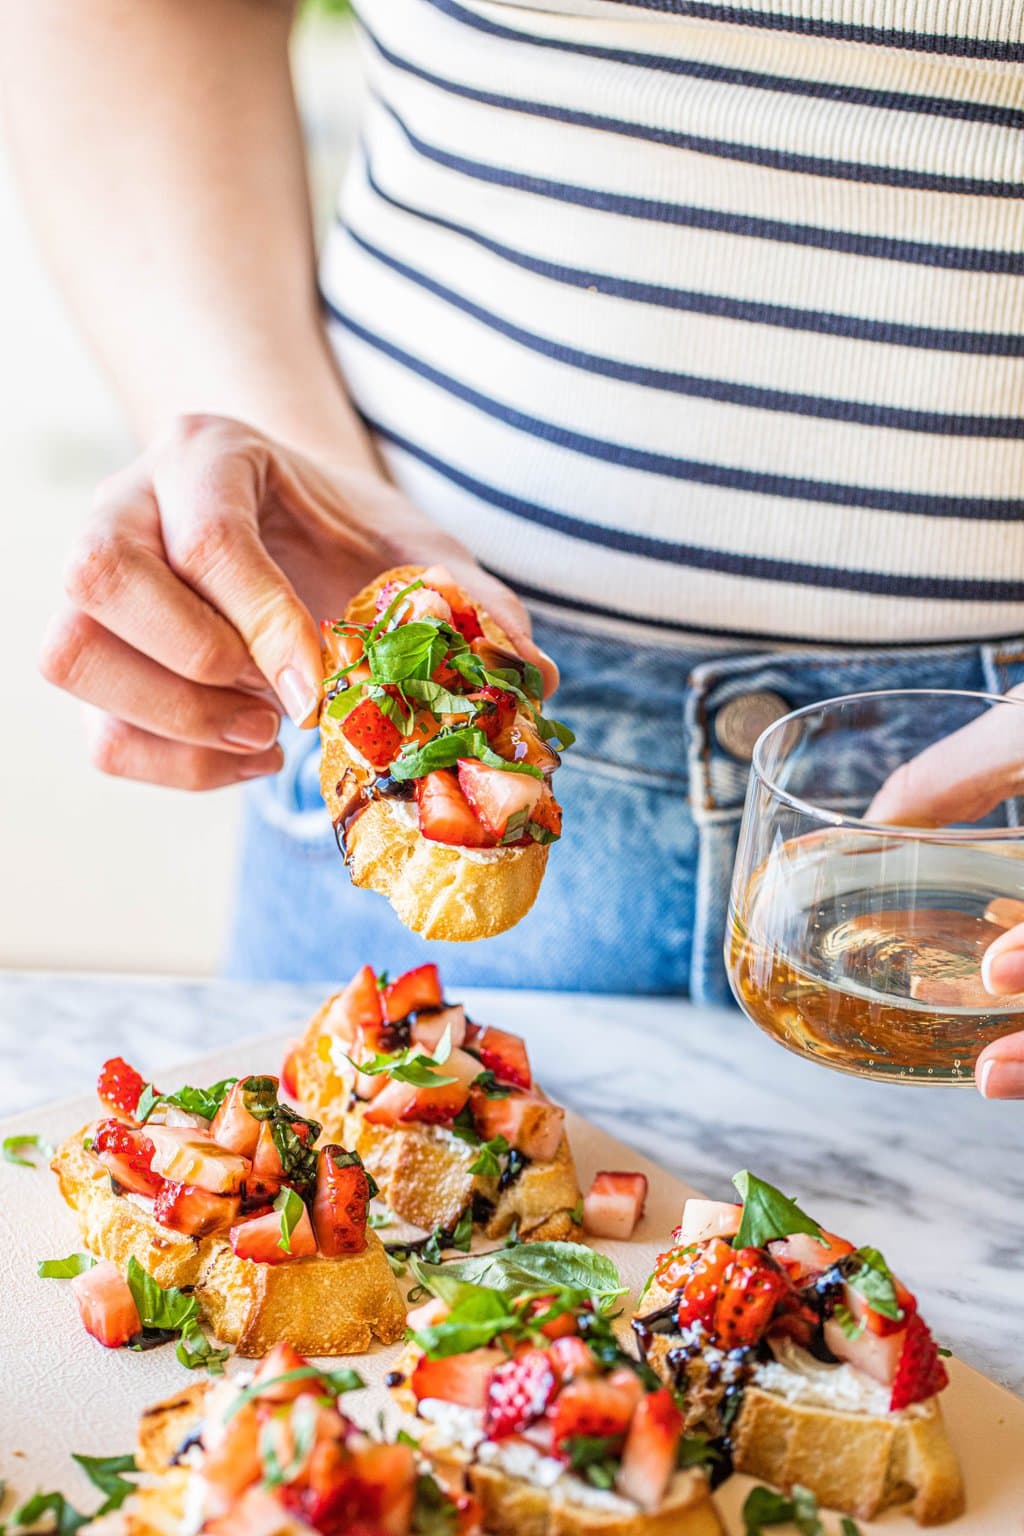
x=119 y=1085
x=571 y=1357
x=267 y=1176
x=289 y=1079
x=281 y=1361
x=106 y=1305
x=496 y=709
x=233 y=1126
x=518 y=1393
x=416 y=989
x=703 y=1219
x=614 y=1203
x=750 y=1293
x=529 y=1123
x=921 y=1371
x=501 y=799
x=186 y=1208
x=462 y=1379
x=547 y=813
x=192 y=1157
x=128 y=1156
x=652 y=1445
x=368 y=729
x=358 y=1006
x=259 y=1239
x=697 y=1270
x=592 y=1406
x=504 y=1054
x=429 y=1029
x=341 y=1202
x=401 y=1102
x=445 y=816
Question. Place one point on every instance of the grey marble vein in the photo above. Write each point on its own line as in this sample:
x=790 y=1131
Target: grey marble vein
x=935 y=1177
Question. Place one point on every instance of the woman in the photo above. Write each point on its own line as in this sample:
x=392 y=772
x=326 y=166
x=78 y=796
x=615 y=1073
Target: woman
x=700 y=326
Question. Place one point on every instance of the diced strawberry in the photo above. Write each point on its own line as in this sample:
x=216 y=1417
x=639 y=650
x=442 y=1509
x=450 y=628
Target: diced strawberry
x=594 y=1405
x=462 y=1379
x=463 y=614
x=232 y=1461
x=558 y=1327
x=232 y=1125
x=106 y=1305
x=751 y=1291
x=359 y=1006
x=518 y=1393
x=877 y=1322
x=529 y=1123
x=521 y=743
x=289 y=1080
x=185 y=1208
x=571 y=1357
x=341 y=650
x=547 y=813
x=501 y=799
x=389 y=1473
x=282 y=1360
x=703 y=1219
x=415 y=989
x=403 y=1102
x=614 y=1204
x=119 y=1085
x=874 y=1354
x=801 y=1255
x=920 y=1371
x=697 y=1271
x=191 y=1157
x=127 y=1153
x=374 y=736
x=259 y=1239
x=429 y=1029
x=341 y=1202
x=652 y=1446
x=504 y=1054
x=267 y=1176
x=445 y=816
x=496 y=709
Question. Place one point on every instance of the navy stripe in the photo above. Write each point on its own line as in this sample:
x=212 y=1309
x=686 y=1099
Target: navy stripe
x=847 y=32
x=700 y=69
x=720 y=149
x=753 y=312
x=724 y=562
x=821 y=407
x=695 y=470
x=958 y=258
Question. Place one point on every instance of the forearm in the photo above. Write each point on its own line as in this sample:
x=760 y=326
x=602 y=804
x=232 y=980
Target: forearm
x=162 y=160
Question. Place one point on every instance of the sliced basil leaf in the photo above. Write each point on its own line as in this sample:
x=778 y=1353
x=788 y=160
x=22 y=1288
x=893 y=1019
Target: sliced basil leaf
x=342 y=705
x=847 y=1322
x=290 y=1208
x=104 y=1472
x=476 y=1318
x=462 y=1236
x=159 y=1308
x=490 y=1085
x=873 y=1279
x=768 y=1214
x=848 y=1527
x=763 y=1506
x=204 y=1102
x=301 y=1434
x=66 y=1519
x=65 y=1269
x=413 y=650
x=439 y=699
x=488 y=1160
x=529 y=1269
x=332 y=1383
x=13 y=1146
x=391 y=611
x=194 y=1350
x=444 y=751
x=540 y=834
x=434 y=1514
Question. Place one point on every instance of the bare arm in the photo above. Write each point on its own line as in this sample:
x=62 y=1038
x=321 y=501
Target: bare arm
x=159 y=148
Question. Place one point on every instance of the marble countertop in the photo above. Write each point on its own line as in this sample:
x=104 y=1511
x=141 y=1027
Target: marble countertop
x=933 y=1177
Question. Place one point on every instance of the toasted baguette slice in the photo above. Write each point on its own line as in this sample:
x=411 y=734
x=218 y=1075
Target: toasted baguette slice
x=423 y=1171
x=324 y=1306
x=857 y=1462
x=443 y=892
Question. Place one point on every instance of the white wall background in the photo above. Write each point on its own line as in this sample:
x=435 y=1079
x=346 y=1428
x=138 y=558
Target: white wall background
x=98 y=873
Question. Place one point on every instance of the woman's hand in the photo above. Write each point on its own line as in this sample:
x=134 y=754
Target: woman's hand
x=962 y=778
x=196 y=592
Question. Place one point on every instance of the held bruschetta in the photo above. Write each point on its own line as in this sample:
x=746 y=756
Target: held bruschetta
x=803 y=1356
x=437 y=760
x=272 y=1454
x=554 y=1429
x=223 y=1191
x=443 y=1112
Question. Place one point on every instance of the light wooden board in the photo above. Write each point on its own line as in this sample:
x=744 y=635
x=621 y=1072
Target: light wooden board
x=62 y=1392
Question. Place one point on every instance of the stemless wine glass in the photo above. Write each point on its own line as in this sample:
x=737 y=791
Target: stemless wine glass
x=859 y=944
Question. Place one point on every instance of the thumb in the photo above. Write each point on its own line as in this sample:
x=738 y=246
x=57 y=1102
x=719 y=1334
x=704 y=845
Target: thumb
x=959 y=778
x=210 y=491
x=999 y=1070
x=506 y=609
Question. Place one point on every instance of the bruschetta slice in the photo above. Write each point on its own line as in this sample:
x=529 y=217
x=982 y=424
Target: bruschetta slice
x=273 y=1454
x=551 y=1425
x=437 y=759
x=226 y=1192
x=444 y=1113
x=806 y=1355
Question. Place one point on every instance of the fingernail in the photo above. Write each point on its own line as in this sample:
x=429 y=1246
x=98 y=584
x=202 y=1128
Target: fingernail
x=263 y=767
x=1003 y=973
x=1001 y=1079
x=296 y=694
x=252 y=728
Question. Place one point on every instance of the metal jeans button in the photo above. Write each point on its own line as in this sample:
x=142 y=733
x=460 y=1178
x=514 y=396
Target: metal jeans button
x=740 y=721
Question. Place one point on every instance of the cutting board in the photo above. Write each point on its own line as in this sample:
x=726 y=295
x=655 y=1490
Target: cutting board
x=62 y=1392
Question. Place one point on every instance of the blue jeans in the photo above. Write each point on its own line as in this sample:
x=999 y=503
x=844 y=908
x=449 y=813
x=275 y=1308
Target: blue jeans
x=635 y=895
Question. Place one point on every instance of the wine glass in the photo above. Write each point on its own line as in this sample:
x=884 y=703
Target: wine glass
x=859 y=944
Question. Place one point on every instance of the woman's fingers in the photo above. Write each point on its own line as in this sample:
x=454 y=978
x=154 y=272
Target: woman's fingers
x=89 y=662
x=212 y=487
x=960 y=778
x=999 y=1070
x=1002 y=965
x=130 y=753
x=506 y=610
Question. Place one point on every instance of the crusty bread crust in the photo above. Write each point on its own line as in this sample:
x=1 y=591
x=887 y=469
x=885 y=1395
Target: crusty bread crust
x=423 y=1171
x=856 y=1462
x=455 y=894
x=322 y=1306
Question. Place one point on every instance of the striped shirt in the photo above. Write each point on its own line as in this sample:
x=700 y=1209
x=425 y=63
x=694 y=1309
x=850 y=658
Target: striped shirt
x=704 y=314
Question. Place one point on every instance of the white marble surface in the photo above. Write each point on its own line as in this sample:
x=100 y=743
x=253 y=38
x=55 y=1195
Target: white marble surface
x=934 y=1177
